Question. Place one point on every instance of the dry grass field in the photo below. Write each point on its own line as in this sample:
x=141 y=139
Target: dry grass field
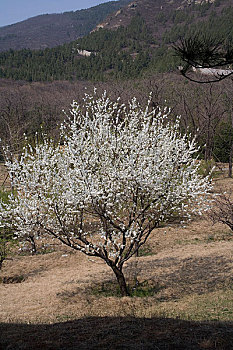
x=63 y=300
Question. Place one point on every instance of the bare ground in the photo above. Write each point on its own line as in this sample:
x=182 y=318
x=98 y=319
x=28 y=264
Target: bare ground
x=47 y=301
x=58 y=284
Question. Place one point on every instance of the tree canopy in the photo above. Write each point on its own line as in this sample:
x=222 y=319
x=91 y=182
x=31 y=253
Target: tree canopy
x=118 y=173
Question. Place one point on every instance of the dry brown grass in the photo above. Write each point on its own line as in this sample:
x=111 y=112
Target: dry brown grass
x=4 y=178
x=57 y=286
x=190 y=267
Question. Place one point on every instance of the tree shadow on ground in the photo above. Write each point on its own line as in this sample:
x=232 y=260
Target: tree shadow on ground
x=190 y=275
x=117 y=333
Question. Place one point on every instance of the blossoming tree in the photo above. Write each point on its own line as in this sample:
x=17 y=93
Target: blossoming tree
x=117 y=173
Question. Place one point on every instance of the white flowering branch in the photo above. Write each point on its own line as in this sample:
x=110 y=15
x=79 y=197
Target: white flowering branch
x=117 y=173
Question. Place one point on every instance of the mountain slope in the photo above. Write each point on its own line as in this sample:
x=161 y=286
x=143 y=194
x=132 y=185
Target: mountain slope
x=162 y=16
x=55 y=29
x=135 y=40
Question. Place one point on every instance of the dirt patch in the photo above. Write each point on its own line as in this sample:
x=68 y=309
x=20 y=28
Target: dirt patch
x=190 y=268
x=194 y=274
x=57 y=288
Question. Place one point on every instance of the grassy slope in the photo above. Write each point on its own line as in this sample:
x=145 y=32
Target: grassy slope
x=60 y=302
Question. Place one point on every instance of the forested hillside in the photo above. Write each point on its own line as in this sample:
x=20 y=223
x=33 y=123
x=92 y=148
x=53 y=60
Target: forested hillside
x=124 y=50
x=51 y=30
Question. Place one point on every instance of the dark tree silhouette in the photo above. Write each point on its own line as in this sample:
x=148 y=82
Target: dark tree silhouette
x=202 y=51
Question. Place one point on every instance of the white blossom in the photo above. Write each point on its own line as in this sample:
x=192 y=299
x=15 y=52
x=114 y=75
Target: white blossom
x=116 y=174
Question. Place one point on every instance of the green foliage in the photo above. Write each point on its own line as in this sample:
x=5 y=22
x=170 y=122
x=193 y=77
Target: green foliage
x=12 y=279
x=223 y=141
x=216 y=26
x=4 y=196
x=135 y=288
x=50 y=29
x=125 y=53
x=94 y=15
x=163 y=60
x=116 y=54
x=206 y=167
x=145 y=250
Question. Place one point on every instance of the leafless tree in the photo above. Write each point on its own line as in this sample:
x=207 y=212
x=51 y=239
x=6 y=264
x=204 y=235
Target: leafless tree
x=229 y=102
x=201 y=109
x=223 y=210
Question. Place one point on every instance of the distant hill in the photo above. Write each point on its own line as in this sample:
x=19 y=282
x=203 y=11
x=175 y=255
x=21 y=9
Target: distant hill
x=131 y=42
x=55 y=29
x=171 y=17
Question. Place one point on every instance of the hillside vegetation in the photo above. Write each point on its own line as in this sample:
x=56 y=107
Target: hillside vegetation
x=27 y=108
x=136 y=45
x=51 y=30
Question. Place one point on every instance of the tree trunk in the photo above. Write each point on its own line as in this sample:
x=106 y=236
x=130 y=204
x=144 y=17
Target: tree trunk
x=137 y=248
x=121 y=281
x=33 y=245
x=2 y=254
